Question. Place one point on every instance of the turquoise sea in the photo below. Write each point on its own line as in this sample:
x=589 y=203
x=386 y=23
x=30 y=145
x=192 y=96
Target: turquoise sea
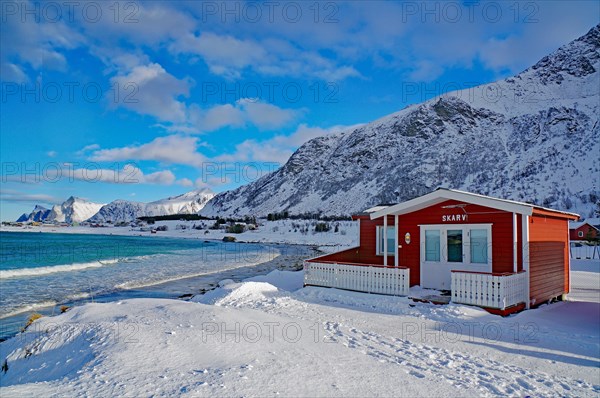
x=39 y=270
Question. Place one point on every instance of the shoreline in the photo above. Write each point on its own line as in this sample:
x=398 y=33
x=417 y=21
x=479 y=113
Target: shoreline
x=181 y=288
x=272 y=232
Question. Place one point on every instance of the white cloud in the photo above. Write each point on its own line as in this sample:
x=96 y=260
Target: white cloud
x=39 y=45
x=140 y=23
x=128 y=174
x=185 y=182
x=173 y=149
x=426 y=71
x=211 y=183
x=51 y=154
x=151 y=90
x=165 y=177
x=267 y=116
x=83 y=151
x=216 y=117
x=225 y=55
x=279 y=148
x=229 y=57
x=239 y=115
x=12 y=73
x=9 y=195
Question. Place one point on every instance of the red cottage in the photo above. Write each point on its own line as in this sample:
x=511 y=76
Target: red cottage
x=498 y=254
x=582 y=231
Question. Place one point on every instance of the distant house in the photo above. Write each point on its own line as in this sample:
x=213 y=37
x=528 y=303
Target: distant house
x=582 y=230
x=498 y=254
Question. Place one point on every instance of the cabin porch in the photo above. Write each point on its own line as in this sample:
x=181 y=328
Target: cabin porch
x=499 y=293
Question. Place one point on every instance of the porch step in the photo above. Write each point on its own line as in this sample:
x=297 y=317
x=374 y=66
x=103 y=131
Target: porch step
x=433 y=299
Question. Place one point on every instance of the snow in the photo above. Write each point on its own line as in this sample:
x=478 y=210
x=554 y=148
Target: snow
x=76 y=210
x=270 y=336
x=73 y=210
x=280 y=231
x=123 y=210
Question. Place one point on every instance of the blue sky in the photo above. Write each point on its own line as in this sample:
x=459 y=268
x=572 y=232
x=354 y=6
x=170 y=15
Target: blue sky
x=143 y=100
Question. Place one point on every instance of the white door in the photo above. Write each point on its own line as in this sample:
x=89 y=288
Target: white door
x=447 y=247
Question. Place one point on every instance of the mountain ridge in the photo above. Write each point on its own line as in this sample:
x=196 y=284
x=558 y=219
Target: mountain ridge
x=76 y=210
x=533 y=137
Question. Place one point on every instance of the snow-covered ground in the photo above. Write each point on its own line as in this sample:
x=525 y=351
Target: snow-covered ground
x=268 y=336
x=300 y=232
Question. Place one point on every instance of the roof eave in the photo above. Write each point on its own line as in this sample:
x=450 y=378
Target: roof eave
x=448 y=194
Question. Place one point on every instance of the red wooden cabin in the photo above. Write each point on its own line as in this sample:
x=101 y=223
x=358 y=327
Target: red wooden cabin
x=582 y=231
x=495 y=253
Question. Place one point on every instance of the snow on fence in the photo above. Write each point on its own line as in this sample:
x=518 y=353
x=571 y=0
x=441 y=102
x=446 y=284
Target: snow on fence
x=488 y=290
x=361 y=278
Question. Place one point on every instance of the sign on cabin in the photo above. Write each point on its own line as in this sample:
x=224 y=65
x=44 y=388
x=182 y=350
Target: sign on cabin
x=454 y=217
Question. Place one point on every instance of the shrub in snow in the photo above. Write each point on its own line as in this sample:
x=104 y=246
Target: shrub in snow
x=322 y=227
x=236 y=229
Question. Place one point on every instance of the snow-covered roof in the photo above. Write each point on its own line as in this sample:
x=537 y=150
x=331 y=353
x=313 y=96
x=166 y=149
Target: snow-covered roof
x=577 y=224
x=595 y=221
x=442 y=194
x=376 y=208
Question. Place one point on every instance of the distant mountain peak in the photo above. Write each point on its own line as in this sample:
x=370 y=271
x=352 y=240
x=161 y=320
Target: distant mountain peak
x=124 y=211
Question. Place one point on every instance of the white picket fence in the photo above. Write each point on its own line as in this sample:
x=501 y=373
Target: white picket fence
x=487 y=290
x=361 y=278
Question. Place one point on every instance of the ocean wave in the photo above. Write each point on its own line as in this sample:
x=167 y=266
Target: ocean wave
x=38 y=271
x=146 y=283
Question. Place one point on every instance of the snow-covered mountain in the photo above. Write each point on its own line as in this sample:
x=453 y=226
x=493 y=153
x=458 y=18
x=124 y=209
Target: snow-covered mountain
x=39 y=214
x=119 y=210
x=73 y=210
x=124 y=210
x=187 y=203
x=533 y=137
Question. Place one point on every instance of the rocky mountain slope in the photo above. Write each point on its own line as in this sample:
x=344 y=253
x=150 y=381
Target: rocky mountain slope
x=38 y=214
x=534 y=137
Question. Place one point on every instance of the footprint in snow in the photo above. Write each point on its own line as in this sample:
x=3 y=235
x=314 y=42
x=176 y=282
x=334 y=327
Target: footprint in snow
x=417 y=374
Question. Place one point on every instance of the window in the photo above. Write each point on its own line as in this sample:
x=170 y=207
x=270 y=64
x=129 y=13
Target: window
x=432 y=245
x=391 y=240
x=455 y=245
x=580 y=234
x=479 y=246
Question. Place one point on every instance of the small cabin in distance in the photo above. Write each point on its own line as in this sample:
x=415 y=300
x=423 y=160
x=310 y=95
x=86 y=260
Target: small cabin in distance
x=582 y=231
x=498 y=254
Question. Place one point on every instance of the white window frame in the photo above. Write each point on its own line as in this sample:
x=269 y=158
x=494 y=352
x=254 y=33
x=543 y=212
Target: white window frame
x=580 y=234
x=466 y=228
x=391 y=248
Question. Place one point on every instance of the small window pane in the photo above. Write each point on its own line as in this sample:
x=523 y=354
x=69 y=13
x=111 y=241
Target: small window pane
x=391 y=235
x=432 y=245
x=479 y=246
x=455 y=245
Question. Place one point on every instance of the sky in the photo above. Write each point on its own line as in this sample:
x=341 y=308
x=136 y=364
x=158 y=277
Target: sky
x=143 y=100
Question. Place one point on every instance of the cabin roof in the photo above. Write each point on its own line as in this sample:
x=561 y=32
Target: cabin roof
x=578 y=224
x=442 y=194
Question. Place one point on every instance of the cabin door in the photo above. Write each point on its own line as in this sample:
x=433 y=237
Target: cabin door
x=447 y=247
